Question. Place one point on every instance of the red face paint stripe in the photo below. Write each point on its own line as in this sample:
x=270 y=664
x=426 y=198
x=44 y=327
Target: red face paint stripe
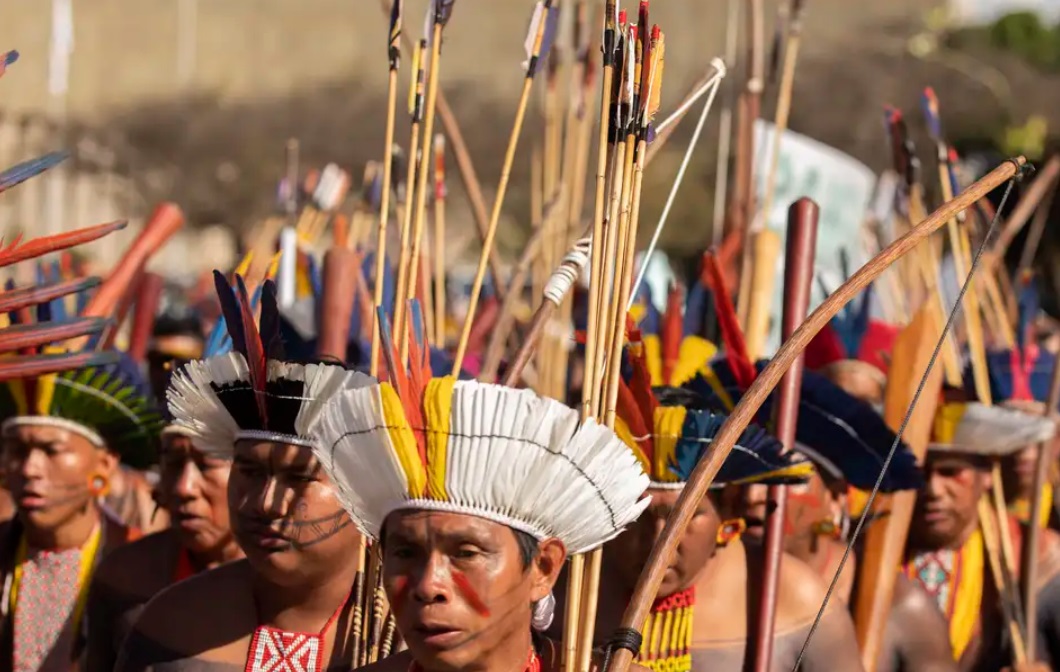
x=400 y=588
x=470 y=595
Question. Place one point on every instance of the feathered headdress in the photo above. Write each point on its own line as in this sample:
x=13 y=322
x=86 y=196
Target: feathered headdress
x=674 y=354
x=972 y=428
x=670 y=440
x=1020 y=377
x=842 y=433
x=507 y=455
x=252 y=392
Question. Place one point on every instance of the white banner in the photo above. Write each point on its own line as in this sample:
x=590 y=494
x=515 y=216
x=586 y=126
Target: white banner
x=843 y=189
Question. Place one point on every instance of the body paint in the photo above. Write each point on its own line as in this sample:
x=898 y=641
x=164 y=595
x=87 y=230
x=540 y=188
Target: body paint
x=469 y=594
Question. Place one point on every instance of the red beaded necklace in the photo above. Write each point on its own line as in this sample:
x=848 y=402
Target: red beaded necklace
x=275 y=649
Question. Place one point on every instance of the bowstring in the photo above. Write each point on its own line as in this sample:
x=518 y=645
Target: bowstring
x=908 y=414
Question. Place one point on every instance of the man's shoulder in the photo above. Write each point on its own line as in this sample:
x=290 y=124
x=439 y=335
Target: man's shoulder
x=802 y=590
x=197 y=599
x=128 y=566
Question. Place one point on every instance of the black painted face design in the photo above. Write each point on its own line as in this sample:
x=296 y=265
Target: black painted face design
x=285 y=514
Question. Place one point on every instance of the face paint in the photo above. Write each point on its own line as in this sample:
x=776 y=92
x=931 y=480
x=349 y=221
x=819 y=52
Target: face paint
x=401 y=588
x=469 y=594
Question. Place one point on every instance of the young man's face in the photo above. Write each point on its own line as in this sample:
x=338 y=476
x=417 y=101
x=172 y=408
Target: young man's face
x=628 y=553
x=285 y=514
x=459 y=585
x=946 y=508
x=50 y=473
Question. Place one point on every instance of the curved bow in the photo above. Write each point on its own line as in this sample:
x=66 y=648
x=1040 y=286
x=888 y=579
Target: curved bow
x=703 y=475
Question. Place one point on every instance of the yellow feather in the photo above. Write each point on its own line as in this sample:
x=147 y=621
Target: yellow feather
x=653 y=358
x=669 y=422
x=244 y=265
x=404 y=440
x=694 y=354
x=437 y=407
x=45 y=393
x=715 y=384
x=947 y=419
x=622 y=430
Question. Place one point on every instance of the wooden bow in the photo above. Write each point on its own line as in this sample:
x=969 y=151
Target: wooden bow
x=704 y=473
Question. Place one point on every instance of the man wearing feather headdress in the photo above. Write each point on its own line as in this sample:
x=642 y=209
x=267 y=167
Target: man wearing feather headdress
x=62 y=439
x=288 y=604
x=952 y=550
x=708 y=586
x=848 y=442
x=476 y=495
x=192 y=488
x=1020 y=378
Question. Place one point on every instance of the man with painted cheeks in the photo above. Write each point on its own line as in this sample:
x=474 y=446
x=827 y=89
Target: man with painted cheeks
x=287 y=605
x=477 y=494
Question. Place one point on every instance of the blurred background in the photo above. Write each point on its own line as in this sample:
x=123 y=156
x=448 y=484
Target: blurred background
x=194 y=100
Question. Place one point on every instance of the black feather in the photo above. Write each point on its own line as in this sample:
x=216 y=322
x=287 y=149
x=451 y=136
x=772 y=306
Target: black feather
x=270 y=323
x=232 y=313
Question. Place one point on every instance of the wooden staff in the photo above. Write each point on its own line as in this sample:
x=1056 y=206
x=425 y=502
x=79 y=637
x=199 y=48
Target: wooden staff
x=441 y=192
x=148 y=296
x=163 y=223
x=466 y=167
x=766 y=246
x=721 y=170
x=749 y=110
x=787 y=85
x=442 y=13
x=798 y=284
x=1034 y=236
x=341 y=267
x=416 y=102
x=1034 y=534
x=885 y=540
x=498 y=204
x=707 y=468
x=394 y=56
x=556 y=291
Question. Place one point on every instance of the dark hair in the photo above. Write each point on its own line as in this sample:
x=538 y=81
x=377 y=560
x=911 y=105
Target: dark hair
x=679 y=396
x=527 y=547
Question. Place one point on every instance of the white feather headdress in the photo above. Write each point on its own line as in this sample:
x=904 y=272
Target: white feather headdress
x=215 y=401
x=977 y=429
x=490 y=451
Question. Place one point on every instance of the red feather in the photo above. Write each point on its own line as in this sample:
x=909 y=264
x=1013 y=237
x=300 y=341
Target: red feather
x=731 y=334
x=672 y=331
x=627 y=408
x=19 y=251
x=408 y=391
x=256 y=360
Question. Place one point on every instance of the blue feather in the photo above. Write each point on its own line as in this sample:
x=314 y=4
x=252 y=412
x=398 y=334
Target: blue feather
x=755 y=454
x=842 y=429
x=697 y=303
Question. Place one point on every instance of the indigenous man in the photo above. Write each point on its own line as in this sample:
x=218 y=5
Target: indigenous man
x=62 y=439
x=850 y=444
x=948 y=551
x=714 y=577
x=193 y=489
x=852 y=351
x=286 y=606
x=477 y=493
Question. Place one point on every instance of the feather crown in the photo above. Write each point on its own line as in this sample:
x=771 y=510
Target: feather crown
x=973 y=428
x=674 y=354
x=494 y=452
x=1021 y=375
x=252 y=392
x=670 y=439
x=834 y=428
